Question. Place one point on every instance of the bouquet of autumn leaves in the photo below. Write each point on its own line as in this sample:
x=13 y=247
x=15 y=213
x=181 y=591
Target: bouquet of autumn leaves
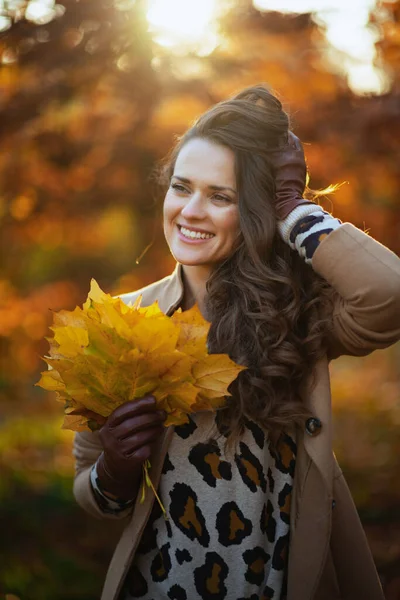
x=107 y=353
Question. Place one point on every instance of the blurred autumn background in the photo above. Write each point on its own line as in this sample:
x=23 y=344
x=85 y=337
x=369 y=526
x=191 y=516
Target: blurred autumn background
x=92 y=93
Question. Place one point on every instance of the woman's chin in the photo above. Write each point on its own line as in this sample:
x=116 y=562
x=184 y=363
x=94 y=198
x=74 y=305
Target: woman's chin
x=187 y=262
x=191 y=259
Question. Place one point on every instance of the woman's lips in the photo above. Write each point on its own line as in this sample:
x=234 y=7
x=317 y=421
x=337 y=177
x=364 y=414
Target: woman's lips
x=194 y=240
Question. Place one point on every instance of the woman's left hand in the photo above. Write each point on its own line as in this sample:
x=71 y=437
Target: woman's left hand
x=289 y=168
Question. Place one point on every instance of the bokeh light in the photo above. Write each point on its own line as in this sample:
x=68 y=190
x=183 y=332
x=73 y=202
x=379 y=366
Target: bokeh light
x=184 y=26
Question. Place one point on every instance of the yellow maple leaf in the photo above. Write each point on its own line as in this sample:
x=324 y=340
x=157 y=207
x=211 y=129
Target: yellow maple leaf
x=71 y=340
x=52 y=381
x=152 y=310
x=193 y=331
x=214 y=373
x=108 y=352
x=155 y=334
x=75 y=422
x=177 y=399
x=73 y=318
x=204 y=403
x=96 y=293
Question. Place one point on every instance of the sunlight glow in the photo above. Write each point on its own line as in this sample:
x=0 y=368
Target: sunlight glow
x=184 y=26
x=346 y=23
x=365 y=78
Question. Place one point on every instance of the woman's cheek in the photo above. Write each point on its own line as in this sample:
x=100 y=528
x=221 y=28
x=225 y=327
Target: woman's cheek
x=166 y=211
x=171 y=205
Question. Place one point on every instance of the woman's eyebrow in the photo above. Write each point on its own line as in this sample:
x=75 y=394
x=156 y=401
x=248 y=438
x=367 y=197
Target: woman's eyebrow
x=219 y=188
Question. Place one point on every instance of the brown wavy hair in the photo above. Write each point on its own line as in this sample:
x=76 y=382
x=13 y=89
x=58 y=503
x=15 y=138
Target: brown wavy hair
x=267 y=307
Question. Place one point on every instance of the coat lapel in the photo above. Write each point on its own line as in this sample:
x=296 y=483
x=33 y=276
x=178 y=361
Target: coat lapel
x=312 y=495
x=168 y=292
x=132 y=533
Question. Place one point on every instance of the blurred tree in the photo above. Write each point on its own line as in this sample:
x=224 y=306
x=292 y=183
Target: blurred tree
x=78 y=94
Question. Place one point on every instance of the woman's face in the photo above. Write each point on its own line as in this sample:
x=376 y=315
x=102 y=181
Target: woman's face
x=201 y=217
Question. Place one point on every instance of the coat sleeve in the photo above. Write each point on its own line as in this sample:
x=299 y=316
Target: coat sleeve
x=86 y=450
x=365 y=277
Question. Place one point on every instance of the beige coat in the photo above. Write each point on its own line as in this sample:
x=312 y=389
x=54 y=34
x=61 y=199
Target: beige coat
x=329 y=558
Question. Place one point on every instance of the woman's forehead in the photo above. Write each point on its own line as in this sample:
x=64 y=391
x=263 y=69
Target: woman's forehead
x=201 y=159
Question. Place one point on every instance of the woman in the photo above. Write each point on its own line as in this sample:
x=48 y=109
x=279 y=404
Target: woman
x=257 y=505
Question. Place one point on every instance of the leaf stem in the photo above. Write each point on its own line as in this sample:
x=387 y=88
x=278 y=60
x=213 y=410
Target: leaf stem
x=147 y=480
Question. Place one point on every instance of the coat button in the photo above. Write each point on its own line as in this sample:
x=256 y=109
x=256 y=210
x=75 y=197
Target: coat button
x=313 y=426
x=333 y=503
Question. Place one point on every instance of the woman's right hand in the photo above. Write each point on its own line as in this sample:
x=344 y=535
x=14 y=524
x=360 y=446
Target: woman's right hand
x=127 y=437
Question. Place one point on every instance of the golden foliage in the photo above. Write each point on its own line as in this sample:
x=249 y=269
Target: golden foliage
x=107 y=353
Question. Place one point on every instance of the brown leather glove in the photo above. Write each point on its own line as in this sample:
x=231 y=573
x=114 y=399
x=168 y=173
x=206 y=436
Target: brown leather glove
x=289 y=168
x=127 y=437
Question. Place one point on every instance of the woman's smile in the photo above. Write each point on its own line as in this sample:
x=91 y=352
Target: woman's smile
x=191 y=234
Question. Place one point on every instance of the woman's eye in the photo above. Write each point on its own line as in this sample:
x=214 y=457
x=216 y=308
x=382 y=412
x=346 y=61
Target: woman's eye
x=222 y=198
x=178 y=187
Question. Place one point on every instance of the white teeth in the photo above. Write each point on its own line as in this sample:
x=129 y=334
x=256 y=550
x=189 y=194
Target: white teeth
x=195 y=234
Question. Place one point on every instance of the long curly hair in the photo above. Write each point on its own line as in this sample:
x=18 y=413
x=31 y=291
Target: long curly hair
x=267 y=307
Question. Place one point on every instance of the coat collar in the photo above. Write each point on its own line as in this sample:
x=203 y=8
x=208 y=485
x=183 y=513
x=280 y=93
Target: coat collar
x=173 y=291
x=168 y=292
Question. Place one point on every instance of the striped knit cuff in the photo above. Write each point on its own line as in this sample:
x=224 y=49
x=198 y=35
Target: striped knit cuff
x=286 y=226
x=107 y=504
x=305 y=228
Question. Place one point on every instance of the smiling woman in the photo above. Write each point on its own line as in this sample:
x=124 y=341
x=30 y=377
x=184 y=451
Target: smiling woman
x=257 y=505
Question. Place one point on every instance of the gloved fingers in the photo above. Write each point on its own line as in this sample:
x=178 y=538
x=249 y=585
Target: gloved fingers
x=142 y=454
x=130 y=409
x=138 y=423
x=129 y=446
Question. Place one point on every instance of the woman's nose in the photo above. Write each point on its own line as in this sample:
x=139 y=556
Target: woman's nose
x=194 y=207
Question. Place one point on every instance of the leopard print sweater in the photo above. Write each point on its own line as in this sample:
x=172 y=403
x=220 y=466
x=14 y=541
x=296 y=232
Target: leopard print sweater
x=227 y=532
